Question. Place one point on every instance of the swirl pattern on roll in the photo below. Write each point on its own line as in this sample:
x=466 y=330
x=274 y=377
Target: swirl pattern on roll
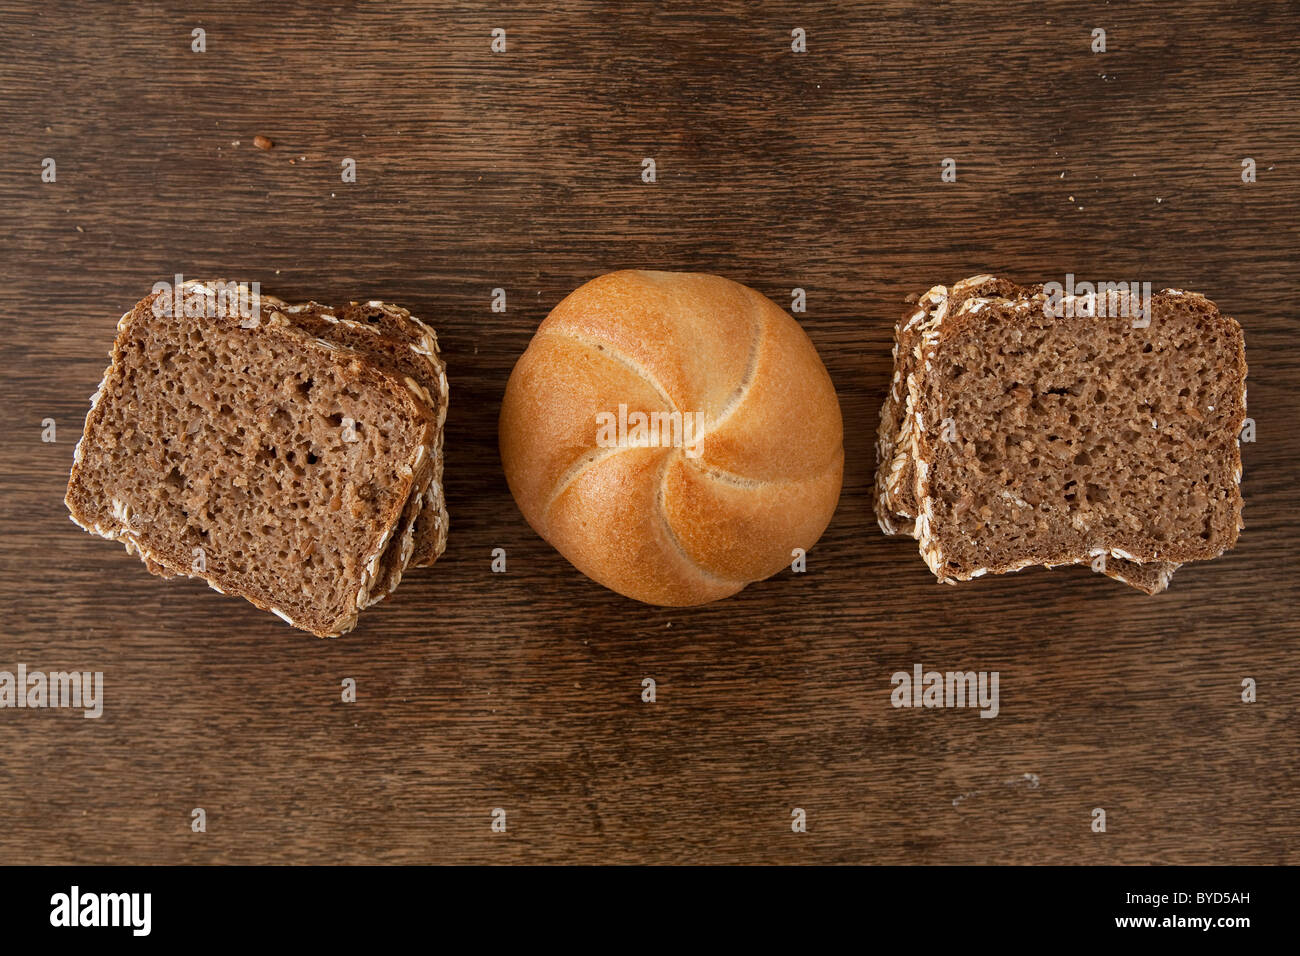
x=668 y=523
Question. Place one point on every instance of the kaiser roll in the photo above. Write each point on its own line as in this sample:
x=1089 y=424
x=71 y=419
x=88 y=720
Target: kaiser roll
x=674 y=435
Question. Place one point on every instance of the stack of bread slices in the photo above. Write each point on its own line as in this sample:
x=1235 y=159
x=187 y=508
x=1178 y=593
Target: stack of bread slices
x=1014 y=436
x=288 y=454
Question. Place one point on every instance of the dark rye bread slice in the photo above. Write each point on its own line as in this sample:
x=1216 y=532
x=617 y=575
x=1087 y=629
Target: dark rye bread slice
x=280 y=460
x=317 y=320
x=410 y=351
x=425 y=374
x=399 y=323
x=895 y=497
x=1065 y=438
x=895 y=500
x=320 y=321
x=892 y=455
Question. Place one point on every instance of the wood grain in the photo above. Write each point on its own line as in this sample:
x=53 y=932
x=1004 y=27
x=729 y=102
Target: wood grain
x=521 y=171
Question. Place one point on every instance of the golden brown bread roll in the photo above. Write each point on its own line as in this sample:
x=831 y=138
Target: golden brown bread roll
x=735 y=461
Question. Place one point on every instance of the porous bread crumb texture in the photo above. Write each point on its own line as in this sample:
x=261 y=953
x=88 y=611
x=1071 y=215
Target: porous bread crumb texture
x=1074 y=437
x=227 y=436
x=430 y=532
x=895 y=501
x=398 y=343
x=898 y=488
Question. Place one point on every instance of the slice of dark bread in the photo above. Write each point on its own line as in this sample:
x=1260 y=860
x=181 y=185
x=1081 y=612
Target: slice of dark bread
x=1051 y=440
x=396 y=322
x=895 y=484
x=892 y=436
x=414 y=358
x=895 y=498
x=234 y=447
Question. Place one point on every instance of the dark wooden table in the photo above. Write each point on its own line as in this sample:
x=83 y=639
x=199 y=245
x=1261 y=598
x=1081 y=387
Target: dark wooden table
x=522 y=171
